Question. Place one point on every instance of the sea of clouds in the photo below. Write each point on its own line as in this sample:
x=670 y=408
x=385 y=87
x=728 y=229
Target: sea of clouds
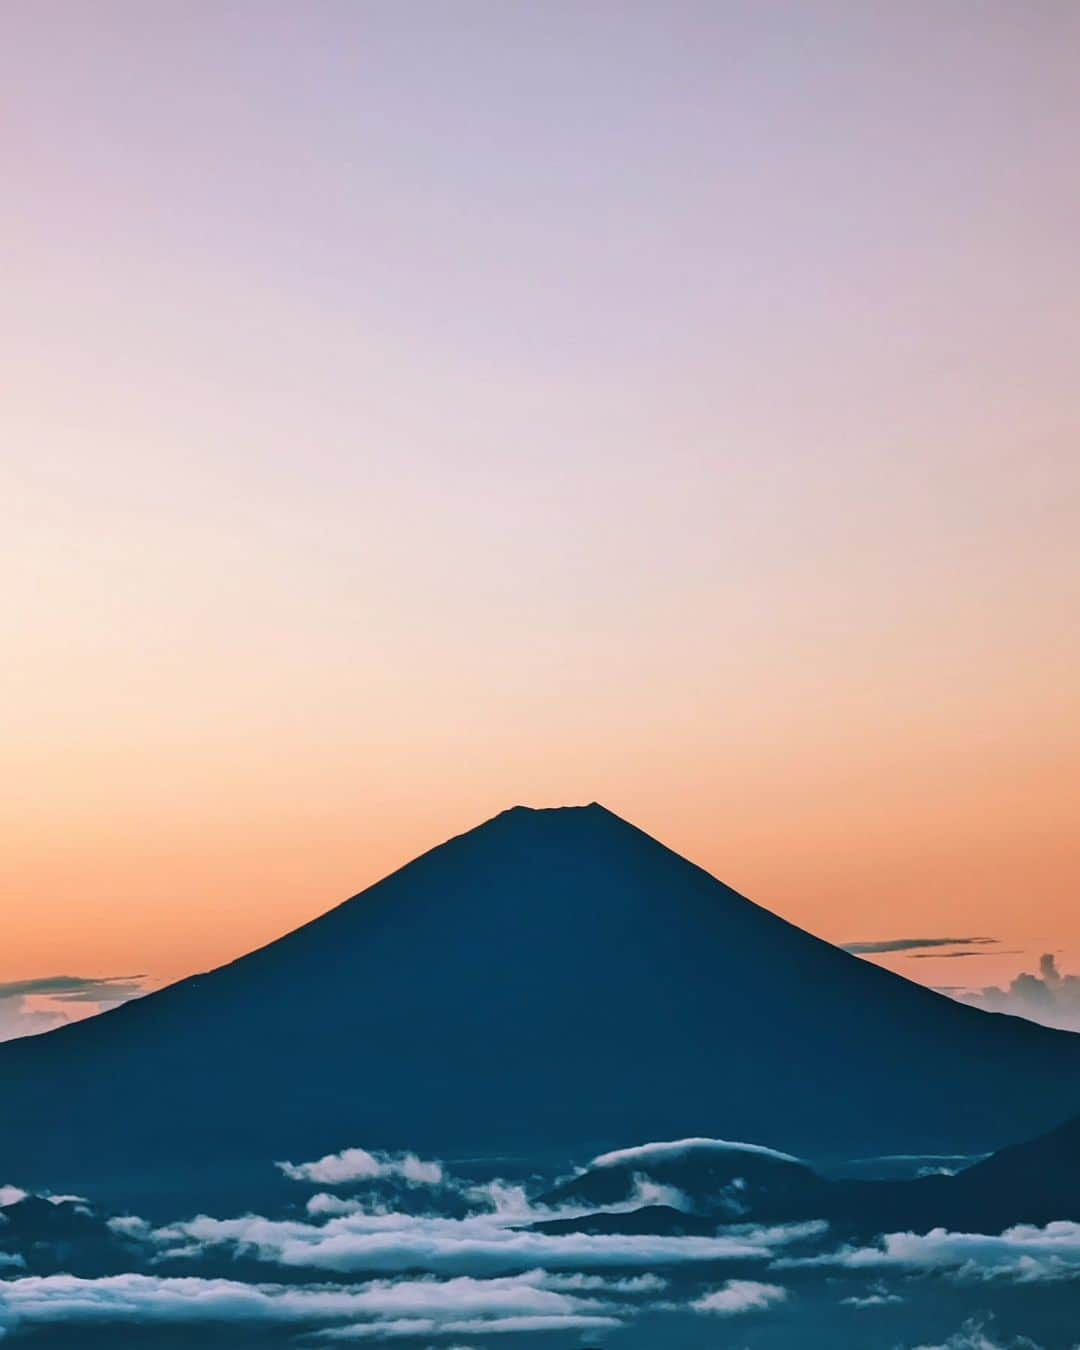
x=393 y=1247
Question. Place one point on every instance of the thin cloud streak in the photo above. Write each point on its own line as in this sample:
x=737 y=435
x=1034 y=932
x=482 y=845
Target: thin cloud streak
x=888 y=945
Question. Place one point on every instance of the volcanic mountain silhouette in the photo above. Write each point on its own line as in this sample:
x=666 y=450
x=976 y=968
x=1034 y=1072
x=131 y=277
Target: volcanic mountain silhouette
x=552 y=982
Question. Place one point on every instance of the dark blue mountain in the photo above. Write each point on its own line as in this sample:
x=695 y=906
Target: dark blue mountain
x=553 y=983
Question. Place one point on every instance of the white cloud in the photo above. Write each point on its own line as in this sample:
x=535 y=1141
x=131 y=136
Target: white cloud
x=485 y=1243
x=408 y=1326
x=1025 y=1253
x=357 y=1164
x=399 y=1326
x=632 y=1284
x=875 y=1299
x=11 y=1195
x=740 y=1296
x=29 y=1007
x=648 y=1192
x=129 y=1225
x=566 y=1322
x=677 y=1148
x=975 y=1335
x=1048 y=997
x=18 y=1017
x=423 y=1306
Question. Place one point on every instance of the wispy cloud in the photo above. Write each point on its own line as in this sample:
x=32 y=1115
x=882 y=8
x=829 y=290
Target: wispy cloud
x=887 y=945
x=948 y=956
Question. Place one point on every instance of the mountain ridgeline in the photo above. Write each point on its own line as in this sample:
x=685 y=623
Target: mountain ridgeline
x=554 y=981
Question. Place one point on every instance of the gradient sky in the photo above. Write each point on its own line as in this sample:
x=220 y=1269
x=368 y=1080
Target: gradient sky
x=414 y=409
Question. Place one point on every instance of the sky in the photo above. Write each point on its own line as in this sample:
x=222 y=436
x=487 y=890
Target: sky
x=414 y=410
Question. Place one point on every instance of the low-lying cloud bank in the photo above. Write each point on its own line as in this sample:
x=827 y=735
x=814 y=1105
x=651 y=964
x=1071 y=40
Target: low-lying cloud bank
x=376 y=1308
x=978 y=1334
x=401 y=1248
x=1049 y=997
x=495 y=1243
x=29 y=1007
x=1024 y=1253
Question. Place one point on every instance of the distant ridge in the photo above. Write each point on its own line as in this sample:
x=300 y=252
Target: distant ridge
x=553 y=980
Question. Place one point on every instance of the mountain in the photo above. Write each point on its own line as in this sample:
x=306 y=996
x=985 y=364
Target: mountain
x=687 y=1185
x=552 y=982
x=1036 y=1182
x=697 y=1176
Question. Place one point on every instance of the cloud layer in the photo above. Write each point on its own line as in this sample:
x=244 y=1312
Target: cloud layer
x=1049 y=997
x=403 y=1248
x=1024 y=1253
x=376 y=1308
x=489 y=1244
x=28 y=1007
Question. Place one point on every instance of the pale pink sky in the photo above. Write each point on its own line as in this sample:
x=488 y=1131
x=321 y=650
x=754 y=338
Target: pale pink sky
x=411 y=410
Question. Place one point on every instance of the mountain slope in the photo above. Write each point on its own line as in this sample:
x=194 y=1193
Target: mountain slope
x=553 y=981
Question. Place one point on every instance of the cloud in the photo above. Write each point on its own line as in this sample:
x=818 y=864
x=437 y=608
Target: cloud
x=1025 y=1253
x=876 y=1297
x=357 y=1164
x=15 y=1195
x=911 y=944
x=631 y=1284
x=565 y=1322
x=29 y=1007
x=953 y=956
x=647 y=1192
x=77 y=988
x=677 y=1148
x=976 y=1334
x=1048 y=997
x=350 y=1234
x=484 y=1267
x=378 y=1308
x=472 y=1326
x=740 y=1296
x=479 y=1244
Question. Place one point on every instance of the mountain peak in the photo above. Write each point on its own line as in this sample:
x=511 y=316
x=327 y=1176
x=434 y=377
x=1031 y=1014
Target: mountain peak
x=553 y=979
x=559 y=812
